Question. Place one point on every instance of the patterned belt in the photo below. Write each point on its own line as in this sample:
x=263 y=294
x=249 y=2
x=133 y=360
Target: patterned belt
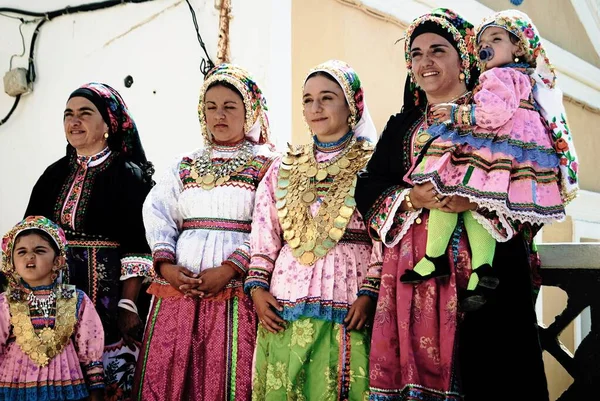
x=354 y=236
x=240 y=226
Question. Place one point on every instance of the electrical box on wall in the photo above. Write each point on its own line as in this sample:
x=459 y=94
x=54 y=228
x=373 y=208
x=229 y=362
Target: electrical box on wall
x=15 y=82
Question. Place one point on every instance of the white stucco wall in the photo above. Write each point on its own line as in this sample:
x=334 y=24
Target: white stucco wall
x=162 y=55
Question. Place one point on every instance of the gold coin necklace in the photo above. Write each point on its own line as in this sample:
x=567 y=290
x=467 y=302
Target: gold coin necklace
x=311 y=237
x=209 y=174
x=49 y=342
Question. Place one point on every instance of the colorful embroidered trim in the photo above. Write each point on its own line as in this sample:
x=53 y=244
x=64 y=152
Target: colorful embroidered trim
x=370 y=286
x=240 y=226
x=412 y=392
x=94 y=374
x=73 y=199
x=135 y=266
x=154 y=309
x=240 y=258
x=93 y=244
x=317 y=308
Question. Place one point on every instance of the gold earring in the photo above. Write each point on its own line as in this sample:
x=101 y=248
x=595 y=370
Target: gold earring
x=106 y=135
x=516 y=59
x=461 y=76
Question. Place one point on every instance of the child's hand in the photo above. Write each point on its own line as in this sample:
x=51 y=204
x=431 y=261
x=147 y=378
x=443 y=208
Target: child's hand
x=360 y=313
x=442 y=112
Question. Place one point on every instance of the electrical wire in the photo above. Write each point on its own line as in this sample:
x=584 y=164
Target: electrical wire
x=206 y=64
x=14 y=106
x=22 y=45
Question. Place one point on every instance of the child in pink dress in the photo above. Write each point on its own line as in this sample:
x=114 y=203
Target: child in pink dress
x=509 y=152
x=51 y=338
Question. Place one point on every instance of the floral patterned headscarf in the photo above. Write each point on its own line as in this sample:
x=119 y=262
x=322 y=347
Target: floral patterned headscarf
x=360 y=118
x=457 y=31
x=30 y=223
x=546 y=93
x=256 y=126
x=123 y=134
x=520 y=25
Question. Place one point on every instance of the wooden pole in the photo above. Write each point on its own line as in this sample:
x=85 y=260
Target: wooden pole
x=223 y=53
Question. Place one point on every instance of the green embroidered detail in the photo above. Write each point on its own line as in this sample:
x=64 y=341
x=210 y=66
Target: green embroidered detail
x=147 y=350
x=468 y=175
x=234 y=349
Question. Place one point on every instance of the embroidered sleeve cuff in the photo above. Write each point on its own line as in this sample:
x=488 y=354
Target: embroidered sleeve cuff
x=259 y=273
x=380 y=211
x=162 y=252
x=94 y=374
x=370 y=287
x=395 y=223
x=252 y=283
x=136 y=266
x=240 y=259
x=463 y=115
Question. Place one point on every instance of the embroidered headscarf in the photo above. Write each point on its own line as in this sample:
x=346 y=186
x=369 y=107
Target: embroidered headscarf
x=454 y=29
x=256 y=125
x=545 y=92
x=123 y=134
x=30 y=223
x=360 y=119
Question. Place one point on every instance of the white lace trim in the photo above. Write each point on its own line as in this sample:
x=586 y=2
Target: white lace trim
x=502 y=210
x=487 y=224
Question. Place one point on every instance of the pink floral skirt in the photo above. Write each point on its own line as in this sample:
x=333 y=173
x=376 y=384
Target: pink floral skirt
x=415 y=328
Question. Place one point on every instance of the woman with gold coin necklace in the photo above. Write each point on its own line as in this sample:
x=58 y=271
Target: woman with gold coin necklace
x=314 y=273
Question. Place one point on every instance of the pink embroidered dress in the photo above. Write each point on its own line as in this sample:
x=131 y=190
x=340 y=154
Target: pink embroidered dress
x=51 y=337
x=69 y=375
x=316 y=283
x=500 y=154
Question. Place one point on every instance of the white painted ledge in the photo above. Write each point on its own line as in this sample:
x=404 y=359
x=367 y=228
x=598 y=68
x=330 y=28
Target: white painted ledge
x=585 y=207
x=570 y=256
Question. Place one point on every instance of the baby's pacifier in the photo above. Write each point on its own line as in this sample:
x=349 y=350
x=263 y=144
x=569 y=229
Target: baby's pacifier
x=486 y=54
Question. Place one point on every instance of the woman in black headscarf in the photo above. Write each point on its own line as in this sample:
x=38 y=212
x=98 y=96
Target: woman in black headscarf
x=95 y=193
x=423 y=345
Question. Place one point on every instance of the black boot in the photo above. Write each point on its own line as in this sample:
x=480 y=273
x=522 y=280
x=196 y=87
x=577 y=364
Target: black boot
x=442 y=269
x=475 y=299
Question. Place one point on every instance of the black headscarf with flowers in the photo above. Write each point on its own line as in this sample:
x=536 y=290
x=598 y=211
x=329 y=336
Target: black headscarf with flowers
x=123 y=134
x=456 y=30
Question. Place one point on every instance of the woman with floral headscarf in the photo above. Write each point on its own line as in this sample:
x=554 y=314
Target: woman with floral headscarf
x=201 y=331
x=314 y=272
x=497 y=152
x=424 y=346
x=51 y=338
x=95 y=193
